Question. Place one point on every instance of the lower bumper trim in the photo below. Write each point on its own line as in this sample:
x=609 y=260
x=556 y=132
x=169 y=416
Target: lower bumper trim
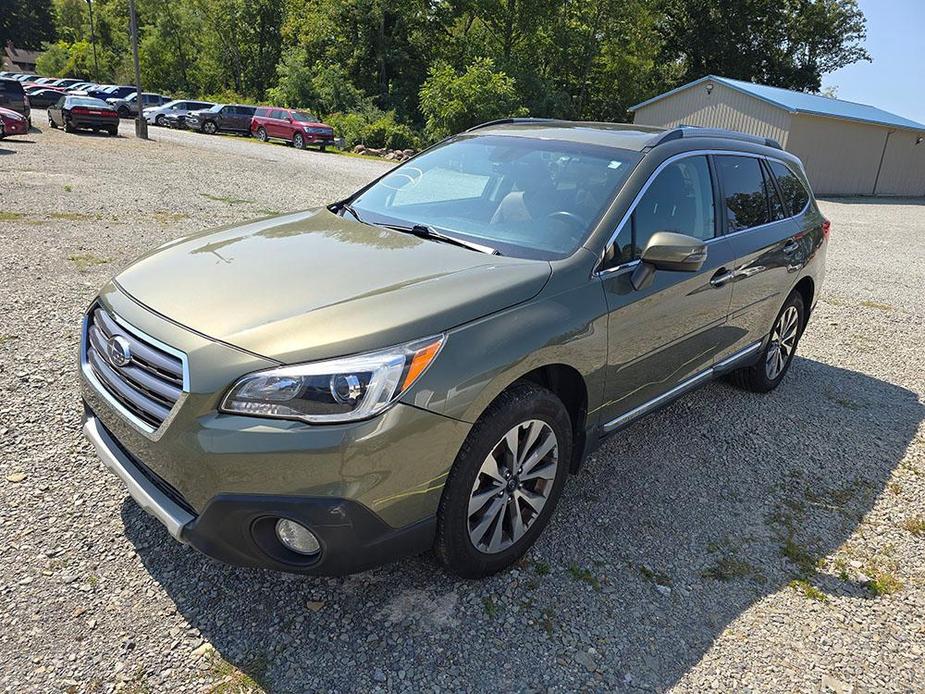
x=139 y=487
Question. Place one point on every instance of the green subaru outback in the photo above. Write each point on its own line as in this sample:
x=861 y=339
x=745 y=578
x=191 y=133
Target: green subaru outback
x=422 y=365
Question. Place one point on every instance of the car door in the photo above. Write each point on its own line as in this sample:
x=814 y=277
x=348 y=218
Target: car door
x=54 y=111
x=765 y=239
x=665 y=336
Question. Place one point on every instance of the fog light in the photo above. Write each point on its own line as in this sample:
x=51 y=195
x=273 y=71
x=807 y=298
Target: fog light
x=297 y=537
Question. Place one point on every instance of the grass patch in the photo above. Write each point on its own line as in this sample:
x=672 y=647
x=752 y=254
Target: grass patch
x=729 y=569
x=579 y=573
x=84 y=261
x=542 y=568
x=72 y=216
x=808 y=590
x=68 y=188
x=877 y=305
x=232 y=680
x=884 y=583
x=166 y=217
x=657 y=577
x=915 y=525
x=799 y=555
x=270 y=213
x=10 y=216
x=227 y=199
x=491 y=607
x=6 y=338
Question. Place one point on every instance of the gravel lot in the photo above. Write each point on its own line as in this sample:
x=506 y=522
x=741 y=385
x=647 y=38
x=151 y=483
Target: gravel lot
x=732 y=541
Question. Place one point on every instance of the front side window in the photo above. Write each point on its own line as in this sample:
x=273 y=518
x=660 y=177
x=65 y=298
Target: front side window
x=679 y=199
x=303 y=117
x=791 y=187
x=525 y=196
x=745 y=193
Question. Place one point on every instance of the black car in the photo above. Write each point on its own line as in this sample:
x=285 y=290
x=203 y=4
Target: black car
x=233 y=118
x=83 y=112
x=13 y=97
x=43 y=98
x=112 y=91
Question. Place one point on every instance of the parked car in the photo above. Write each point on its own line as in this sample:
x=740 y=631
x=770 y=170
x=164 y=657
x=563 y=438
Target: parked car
x=83 y=113
x=43 y=97
x=128 y=106
x=298 y=127
x=12 y=123
x=111 y=91
x=13 y=97
x=232 y=118
x=179 y=107
x=538 y=286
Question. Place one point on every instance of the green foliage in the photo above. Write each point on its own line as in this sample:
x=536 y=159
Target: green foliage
x=373 y=128
x=27 y=23
x=452 y=102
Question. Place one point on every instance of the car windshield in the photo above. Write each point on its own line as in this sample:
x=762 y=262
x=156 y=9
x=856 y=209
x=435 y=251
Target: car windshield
x=525 y=197
x=303 y=117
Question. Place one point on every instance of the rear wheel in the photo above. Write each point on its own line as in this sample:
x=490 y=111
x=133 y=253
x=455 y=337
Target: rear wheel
x=505 y=482
x=298 y=141
x=68 y=128
x=123 y=112
x=113 y=131
x=262 y=134
x=767 y=373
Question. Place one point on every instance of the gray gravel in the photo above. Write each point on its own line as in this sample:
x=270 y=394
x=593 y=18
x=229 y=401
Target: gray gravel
x=671 y=559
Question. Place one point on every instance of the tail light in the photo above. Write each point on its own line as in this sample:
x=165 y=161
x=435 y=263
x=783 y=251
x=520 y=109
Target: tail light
x=826 y=228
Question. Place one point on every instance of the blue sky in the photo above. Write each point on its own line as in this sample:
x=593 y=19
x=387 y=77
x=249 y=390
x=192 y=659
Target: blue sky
x=895 y=80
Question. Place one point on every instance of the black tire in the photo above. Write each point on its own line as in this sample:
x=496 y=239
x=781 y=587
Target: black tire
x=68 y=128
x=51 y=124
x=298 y=141
x=322 y=148
x=757 y=378
x=123 y=112
x=209 y=128
x=262 y=134
x=160 y=120
x=113 y=132
x=521 y=403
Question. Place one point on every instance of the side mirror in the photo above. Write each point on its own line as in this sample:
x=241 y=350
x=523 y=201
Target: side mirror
x=667 y=250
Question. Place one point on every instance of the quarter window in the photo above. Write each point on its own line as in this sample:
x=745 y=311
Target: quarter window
x=791 y=187
x=679 y=199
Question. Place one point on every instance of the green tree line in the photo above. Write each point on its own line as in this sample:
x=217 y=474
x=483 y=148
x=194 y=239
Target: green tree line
x=397 y=68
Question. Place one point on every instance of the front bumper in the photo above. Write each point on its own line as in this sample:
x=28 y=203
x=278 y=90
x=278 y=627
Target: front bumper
x=238 y=528
x=369 y=490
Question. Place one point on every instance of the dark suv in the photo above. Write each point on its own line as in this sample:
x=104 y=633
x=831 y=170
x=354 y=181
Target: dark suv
x=13 y=97
x=231 y=118
x=423 y=364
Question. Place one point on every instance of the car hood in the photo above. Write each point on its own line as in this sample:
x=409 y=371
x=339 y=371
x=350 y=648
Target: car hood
x=314 y=285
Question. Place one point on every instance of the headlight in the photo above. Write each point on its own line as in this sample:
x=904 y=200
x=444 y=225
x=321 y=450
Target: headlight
x=337 y=390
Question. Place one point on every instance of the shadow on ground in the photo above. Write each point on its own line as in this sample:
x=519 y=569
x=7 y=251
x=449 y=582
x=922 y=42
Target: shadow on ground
x=725 y=497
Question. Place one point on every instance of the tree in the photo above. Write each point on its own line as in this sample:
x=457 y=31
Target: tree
x=785 y=43
x=452 y=102
x=27 y=23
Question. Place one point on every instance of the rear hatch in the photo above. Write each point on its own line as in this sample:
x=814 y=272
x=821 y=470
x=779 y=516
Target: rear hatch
x=13 y=97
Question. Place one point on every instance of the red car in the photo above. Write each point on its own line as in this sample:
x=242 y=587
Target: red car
x=298 y=127
x=11 y=123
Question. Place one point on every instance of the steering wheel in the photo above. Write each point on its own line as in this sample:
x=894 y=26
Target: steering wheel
x=564 y=216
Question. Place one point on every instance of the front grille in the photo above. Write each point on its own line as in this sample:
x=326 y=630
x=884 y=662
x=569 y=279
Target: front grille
x=147 y=384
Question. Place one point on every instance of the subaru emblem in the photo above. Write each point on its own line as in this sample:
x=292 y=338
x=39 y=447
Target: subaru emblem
x=119 y=351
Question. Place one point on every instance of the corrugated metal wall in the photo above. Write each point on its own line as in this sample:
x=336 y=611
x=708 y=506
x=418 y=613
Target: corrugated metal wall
x=723 y=108
x=841 y=157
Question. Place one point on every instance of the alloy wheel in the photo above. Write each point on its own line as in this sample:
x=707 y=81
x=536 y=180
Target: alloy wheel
x=261 y=134
x=783 y=341
x=298 y=141
x=160 y=120
x=512 y=486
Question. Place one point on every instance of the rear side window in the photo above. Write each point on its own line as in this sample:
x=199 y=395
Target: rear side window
x=262 y=113
x=246 y=110
x=791 y=187
x=680 y=199
x=10 y=87
x=745 y=191
x=279 y=115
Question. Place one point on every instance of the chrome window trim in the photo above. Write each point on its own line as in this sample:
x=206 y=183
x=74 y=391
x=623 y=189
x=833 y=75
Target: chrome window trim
x=101 y=390
x=677 y=157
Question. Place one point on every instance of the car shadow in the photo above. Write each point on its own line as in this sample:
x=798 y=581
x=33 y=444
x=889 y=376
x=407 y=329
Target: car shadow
x=674 y=528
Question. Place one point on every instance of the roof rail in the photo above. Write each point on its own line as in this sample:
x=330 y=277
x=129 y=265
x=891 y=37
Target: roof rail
x=503 y=121
x=696 y=131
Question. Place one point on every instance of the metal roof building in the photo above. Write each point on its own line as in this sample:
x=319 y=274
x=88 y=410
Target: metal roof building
x=847 y=148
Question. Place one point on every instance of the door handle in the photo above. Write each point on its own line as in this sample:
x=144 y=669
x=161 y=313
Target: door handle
x=790 y=247
x=721 y=277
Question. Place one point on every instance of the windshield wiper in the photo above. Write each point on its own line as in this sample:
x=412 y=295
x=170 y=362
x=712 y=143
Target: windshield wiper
x=428 y=232
x=349 y=208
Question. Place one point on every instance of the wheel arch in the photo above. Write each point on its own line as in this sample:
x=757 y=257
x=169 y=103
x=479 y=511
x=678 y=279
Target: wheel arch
x=806 y=288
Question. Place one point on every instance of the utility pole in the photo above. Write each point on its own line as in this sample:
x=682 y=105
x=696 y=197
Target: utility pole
x=96 y=63
x=141 y=125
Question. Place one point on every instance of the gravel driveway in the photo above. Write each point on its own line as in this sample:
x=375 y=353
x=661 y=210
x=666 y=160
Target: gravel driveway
x=731 y=541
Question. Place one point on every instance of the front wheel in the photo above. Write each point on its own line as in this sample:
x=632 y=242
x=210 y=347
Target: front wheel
x=777 y=355
x=209 y=128
x=298 y=141
x=160 y=121
x=505 y=482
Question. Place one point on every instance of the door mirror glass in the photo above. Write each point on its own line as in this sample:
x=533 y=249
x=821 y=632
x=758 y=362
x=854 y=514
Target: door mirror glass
x=667 y=250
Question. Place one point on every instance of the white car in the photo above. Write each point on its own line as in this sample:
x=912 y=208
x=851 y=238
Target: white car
x=159 y=115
